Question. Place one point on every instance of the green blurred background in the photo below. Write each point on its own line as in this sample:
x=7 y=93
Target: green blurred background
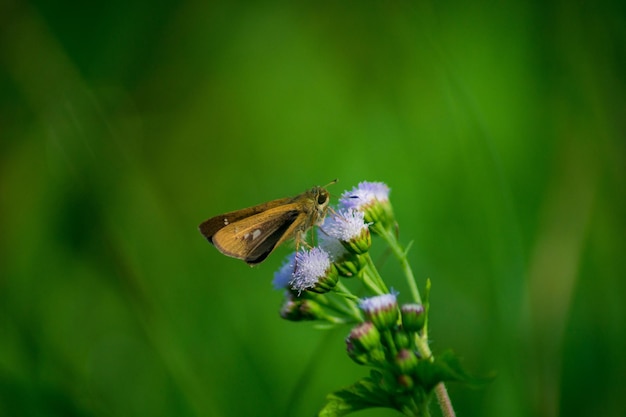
x=499 y=127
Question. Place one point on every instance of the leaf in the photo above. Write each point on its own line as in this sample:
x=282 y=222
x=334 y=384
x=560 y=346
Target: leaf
x=370 y=392
x=445 y=367
x=363 y=394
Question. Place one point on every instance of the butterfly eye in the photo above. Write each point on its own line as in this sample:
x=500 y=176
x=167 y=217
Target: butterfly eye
x=321 y=199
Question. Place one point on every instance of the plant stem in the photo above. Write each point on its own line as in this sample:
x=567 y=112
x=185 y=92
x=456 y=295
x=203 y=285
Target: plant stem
x=351 y=300
x=390 y=344
x=372 y=268
x=400 y=253
x=444 y=400
x=368 y=281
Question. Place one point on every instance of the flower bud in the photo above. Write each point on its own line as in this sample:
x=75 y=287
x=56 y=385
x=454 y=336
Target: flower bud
x=356 y=354
x=406 y=361
x=365 y=336
x=405 y=381
x=301 y=310
x=413 y=317
x=401 y=339
x=382 y=310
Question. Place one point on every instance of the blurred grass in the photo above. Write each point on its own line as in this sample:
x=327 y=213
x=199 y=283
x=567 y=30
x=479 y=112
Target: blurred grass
x=499 y=127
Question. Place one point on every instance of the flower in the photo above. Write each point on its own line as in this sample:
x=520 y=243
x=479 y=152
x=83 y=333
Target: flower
x=347 y=263
x=382 y=310
x=313 y=271
x=349 y=227
x=372 y=198
x=364 y=194
x=345 y=224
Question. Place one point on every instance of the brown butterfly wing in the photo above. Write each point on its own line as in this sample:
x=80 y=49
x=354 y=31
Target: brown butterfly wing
x=287 y=228
x=253 y=238
x=211 y=226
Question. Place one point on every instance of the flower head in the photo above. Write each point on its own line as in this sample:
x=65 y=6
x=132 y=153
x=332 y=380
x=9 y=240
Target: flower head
x=349 y=227
x=382 y=310
x=313 y=271
x=364 y=194
x=345 y=225
x=372 y=198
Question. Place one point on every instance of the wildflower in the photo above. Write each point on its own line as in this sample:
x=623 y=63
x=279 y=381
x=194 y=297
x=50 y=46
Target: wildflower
x=347 y=263
x=364 y=194
x=349 y=227
x=382 y=310
x=313 y=271
x=372 y=198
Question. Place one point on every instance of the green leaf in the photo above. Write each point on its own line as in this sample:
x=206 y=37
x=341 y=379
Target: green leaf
x=426 y=304
x=363 y=394
x=370 y=392
x=445 y=367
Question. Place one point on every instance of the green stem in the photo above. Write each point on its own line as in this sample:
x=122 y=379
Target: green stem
x=391 y=344
x=336 y=320
x=351 y=299
x=346 y=295
x=444 y=400
x=377 y=278
x=400 y=253
x=333 y=304
x=368 y=281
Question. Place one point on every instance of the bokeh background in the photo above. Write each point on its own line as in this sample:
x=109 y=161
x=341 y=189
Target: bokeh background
x=499 y=127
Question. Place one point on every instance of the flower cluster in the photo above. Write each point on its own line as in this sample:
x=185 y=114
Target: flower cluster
x=344 y=237
x=395 y=352
x=389 y=338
